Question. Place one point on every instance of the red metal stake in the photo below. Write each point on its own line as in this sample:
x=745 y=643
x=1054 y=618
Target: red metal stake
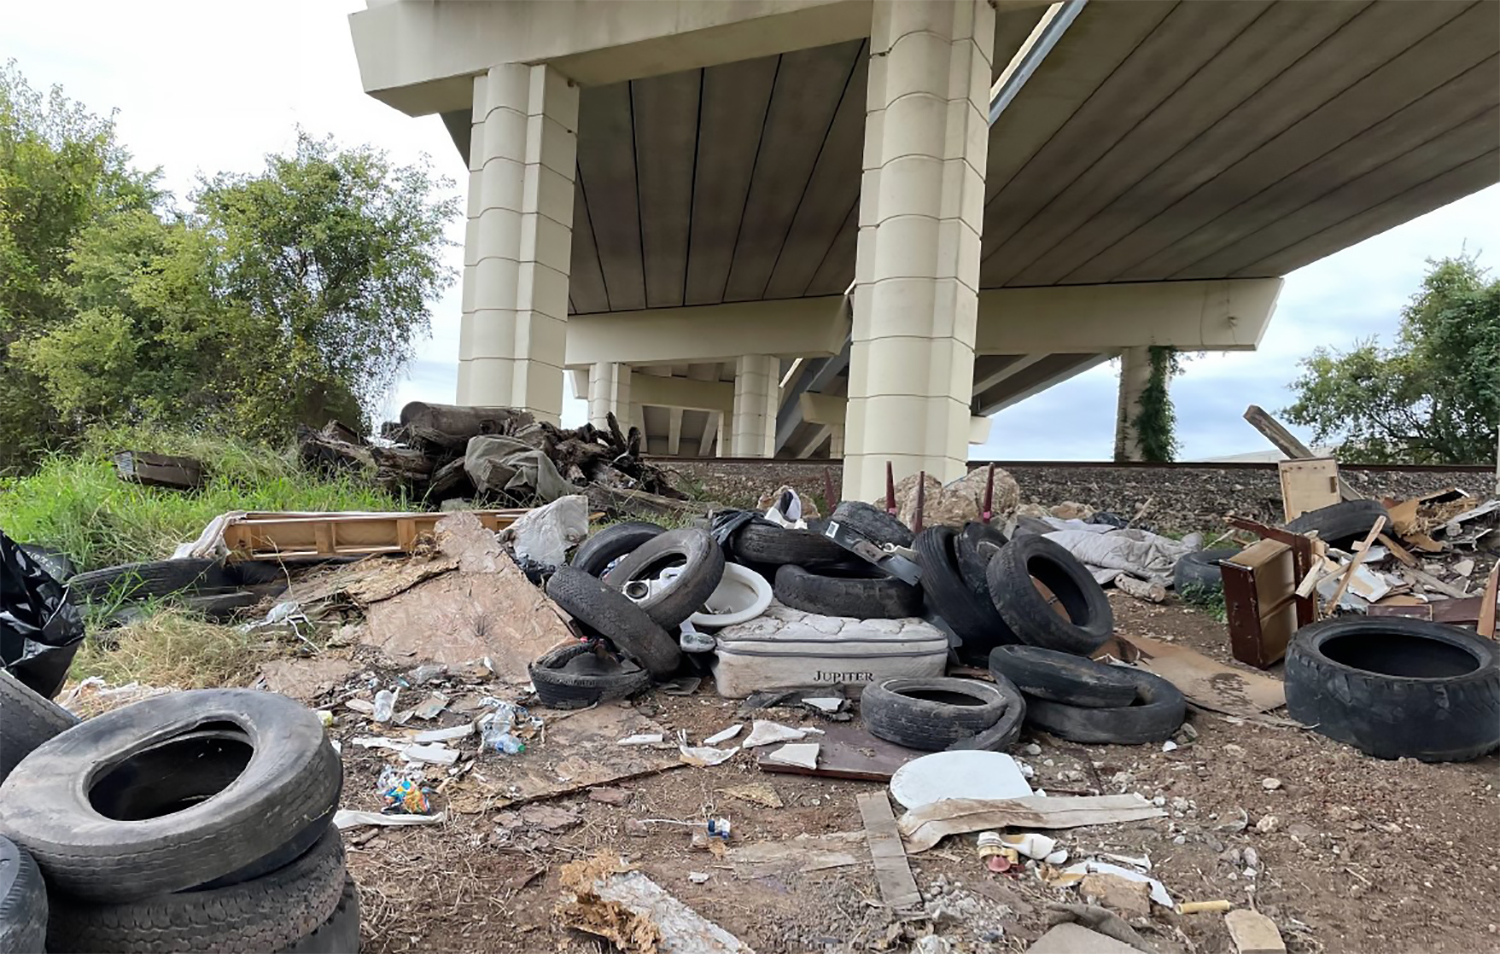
x=830 y=495
x=890 y=490
x=916 y=524
x=989 y=496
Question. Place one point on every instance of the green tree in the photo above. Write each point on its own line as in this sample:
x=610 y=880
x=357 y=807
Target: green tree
x=292 y=295
x=61 y=170
x=1432 y=398
x=336 y=254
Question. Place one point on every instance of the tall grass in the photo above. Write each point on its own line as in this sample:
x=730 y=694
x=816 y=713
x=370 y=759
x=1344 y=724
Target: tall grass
x=172 y=647
x=76 y=503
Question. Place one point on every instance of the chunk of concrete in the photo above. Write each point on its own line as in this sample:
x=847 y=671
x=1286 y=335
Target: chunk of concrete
x=1077 y=939
x=1132 y=899
x=1253 y=933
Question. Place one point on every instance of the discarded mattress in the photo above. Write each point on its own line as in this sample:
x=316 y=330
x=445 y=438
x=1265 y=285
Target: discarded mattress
x=785 y=648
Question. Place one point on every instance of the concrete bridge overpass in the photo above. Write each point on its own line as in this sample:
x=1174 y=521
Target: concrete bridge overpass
x=844 y=227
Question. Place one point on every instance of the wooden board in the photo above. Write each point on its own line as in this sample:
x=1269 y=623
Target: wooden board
x=159 y=470
x=1464 y=612
x=898 y=889
x=1310 y=484
x=270 y=536
x=847 y=751
x=1288 y=444
x=1488 y=610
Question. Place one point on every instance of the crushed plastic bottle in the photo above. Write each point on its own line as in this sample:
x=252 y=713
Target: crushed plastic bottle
x=495 y=728
x=385 y=705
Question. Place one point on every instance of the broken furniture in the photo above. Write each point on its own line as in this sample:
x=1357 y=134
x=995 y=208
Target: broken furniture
x=1260 y=593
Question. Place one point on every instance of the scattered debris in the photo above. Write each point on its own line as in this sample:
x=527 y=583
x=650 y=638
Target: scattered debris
x=961 y=774
x=635 y=913
x=769 y=733
x=724 y=735
x=1076 y=939
x=800 y=754
x=1253 y=933
x=800 y=853
x=1131 y=899
x=1080 y=870
x=345 y=818
x=758 y=793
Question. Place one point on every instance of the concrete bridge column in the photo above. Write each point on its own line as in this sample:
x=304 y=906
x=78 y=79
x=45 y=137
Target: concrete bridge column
x=1135 y=374
x=518 y=242
x=756 y=390
x=917 y=270
x=609 y=390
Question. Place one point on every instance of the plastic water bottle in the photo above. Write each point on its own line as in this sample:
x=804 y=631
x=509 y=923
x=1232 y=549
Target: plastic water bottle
x=505 y=743
x=385 y=705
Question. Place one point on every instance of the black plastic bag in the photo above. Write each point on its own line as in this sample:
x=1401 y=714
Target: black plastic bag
x=40 y=630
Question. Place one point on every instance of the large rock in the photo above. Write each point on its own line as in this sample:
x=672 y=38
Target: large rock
x=956 y=503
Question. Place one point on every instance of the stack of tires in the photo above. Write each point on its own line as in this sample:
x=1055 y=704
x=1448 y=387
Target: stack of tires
x=187 y=822
x=1032 y=613
x=630 y=640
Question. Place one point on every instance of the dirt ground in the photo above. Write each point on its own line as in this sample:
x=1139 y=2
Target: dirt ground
x=1346 y=854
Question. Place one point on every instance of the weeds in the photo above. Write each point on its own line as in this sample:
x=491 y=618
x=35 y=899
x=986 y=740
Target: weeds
x=1206 y=599
x=78 y=505
x=172 y=647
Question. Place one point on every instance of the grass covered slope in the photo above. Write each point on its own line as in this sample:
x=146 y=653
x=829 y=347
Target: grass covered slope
x=75 y=502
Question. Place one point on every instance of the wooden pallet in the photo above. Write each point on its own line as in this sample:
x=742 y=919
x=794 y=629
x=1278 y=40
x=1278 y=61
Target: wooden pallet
x=281 y=536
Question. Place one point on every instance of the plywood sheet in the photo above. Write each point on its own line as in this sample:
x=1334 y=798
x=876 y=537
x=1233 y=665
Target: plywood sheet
x=1308 y=485
x=846 y=751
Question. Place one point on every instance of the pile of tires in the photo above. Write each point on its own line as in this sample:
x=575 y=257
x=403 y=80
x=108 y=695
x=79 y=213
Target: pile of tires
x=191 y=821
x=1082 y=700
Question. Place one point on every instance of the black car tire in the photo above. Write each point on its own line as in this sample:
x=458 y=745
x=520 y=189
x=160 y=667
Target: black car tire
x=108 y=817
x=264 y=914
x=1007 y=729
x=757 y=543
x=340 y=933
x=931 y=714
x=1063 y=677
x=1199 y=572
x=872 y=523
x=860 y=593
x=23 y=901
x=1340 y=524
x=26 y=721
x=973 y=547
x=611 y=614
x=137 y=581
x=1154 y=716
x=595 y=554
x=1030 y=616
x=702 y=567
x=559 y=687
x=1397 y=688
x=974 y=621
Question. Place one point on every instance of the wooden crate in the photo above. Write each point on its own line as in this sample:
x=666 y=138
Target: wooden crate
x=159 y=470
x=262 y=536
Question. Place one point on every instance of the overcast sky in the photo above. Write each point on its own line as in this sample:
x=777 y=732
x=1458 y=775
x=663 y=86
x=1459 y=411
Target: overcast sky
x=205 y=87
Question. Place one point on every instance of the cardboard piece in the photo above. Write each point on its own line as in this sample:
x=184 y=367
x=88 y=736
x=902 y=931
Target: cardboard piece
x=1206 y=683
x=925 y=826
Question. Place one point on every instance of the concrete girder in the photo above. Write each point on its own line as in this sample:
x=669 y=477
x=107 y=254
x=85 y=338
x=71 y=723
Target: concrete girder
x=418 y=57
x=1041 y=376
x=683 y=393
x=802 y=327
x=1218 y=315
x=984 y=380
x=674 y=430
